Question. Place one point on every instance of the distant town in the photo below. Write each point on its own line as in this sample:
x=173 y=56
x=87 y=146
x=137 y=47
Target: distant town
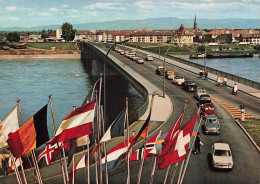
x=180 y=37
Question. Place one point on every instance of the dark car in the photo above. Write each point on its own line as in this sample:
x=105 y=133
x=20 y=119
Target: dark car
x=204 y=99
x=160 y=70
x=189 y=85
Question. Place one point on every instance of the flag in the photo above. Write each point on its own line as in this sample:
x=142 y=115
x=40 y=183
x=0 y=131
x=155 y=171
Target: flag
x=11 y=167
x=116 y=129
x=77 y=124
x=9 y=124
x=143 y=132
x=81 y=141
x=72 y=143
x=49 y=154
x=115 y=155
x=150 y=146
x=31 y=135
x=176 y=152
x=81 y=164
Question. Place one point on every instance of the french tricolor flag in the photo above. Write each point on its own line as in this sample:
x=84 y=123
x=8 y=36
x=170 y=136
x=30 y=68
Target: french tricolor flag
x=77 y=124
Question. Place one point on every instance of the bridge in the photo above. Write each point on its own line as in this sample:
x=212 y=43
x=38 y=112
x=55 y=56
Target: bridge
x=165 y=113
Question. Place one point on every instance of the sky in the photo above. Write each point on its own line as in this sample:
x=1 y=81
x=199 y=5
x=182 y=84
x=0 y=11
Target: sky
x=30 y=13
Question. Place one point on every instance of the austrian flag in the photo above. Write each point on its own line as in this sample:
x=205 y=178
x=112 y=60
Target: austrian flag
x=77 y=124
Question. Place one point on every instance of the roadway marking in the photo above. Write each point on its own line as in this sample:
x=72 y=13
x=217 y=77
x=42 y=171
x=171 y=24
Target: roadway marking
x=233 y=111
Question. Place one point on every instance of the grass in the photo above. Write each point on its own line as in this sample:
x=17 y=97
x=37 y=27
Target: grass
x=252 y=126
x=228 y=48
x=58 y=45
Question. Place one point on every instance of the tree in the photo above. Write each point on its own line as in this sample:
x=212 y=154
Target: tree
x=13 y=37
x=68 y=33
x=201 y=49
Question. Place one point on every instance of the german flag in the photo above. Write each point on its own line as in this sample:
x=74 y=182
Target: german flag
x=31 y=135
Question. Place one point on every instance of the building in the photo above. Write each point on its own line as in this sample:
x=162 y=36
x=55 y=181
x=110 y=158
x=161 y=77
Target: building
x=253 y=39
x=59 y=34
x=85 y=35
x=150 y=36
x=183 y=37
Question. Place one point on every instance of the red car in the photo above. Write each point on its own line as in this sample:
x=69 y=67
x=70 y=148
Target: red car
x=208 y=109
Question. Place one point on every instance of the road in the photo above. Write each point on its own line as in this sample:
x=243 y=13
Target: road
x=246 y=158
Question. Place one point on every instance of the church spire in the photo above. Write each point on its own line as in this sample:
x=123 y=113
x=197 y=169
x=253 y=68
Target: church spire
x=195 y=23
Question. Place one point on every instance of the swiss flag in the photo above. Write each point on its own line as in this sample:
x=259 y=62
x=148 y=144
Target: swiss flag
x=176 y=150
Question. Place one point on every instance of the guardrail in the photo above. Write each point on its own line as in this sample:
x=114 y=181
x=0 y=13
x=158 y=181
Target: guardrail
x=235 y=78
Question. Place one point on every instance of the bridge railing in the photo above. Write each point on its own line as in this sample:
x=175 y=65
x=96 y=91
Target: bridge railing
x=235 y=78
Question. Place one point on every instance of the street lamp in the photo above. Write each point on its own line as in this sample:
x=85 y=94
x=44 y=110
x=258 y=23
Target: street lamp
x=164 y=71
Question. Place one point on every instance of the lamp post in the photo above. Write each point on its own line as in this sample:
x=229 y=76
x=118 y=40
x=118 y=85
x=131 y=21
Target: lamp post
x=164 y=71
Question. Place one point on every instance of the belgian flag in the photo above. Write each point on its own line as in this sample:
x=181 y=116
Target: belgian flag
x=31 y=135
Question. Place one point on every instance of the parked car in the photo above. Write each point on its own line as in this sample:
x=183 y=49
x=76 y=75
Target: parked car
x=199 y=92
x=208 y=109
x=178 y=80
x=169 y=74
x=149 y=58
x=189 y=85
x=160 y=70
x=140 y=61
x=221 y=156
x=211 y=125
x=205 y=98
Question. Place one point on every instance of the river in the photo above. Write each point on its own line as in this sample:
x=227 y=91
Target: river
x=32 y=80
x=244 y=67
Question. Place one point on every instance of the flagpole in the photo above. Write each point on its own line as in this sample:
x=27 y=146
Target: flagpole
x=174 y=172
x=7 y=164
x=98 y=133
x=20 y=109
x=127 y=132
x=166 y=175
x=55 y=130
x=88 y=154
x=188 y=158
x=36 y=165
x=185 y=167
x=104 y=143
x=19 y=180
x=73 y=171
x=96 y=163
x=179 y=177
x=142 y=162
x=154 y=160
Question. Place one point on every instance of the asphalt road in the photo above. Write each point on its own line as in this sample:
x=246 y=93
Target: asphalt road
x=246 y=158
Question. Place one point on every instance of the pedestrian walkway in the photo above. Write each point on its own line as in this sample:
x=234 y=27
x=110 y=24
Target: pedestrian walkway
x=234 y=111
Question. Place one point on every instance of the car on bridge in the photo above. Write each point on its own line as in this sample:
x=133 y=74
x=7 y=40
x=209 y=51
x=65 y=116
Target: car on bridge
x=208 y=109
x=178 y=80
x=148 y=58
x=134 y=58
x=160 y=70
x=211 y=125
x=205 y=98
x=169 y=74
x=140 y=61
x=199 y=92
x=189 y=86
x=221 y=156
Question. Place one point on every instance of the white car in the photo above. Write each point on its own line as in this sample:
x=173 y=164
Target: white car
x=178 y=80
x=149 y=58
x=122 y=52
x=134 y=58
x=140 y=61
x=221 y=156
x=199 y=92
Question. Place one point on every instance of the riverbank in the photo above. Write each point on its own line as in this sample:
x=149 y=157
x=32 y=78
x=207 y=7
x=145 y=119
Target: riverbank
x=40 y=54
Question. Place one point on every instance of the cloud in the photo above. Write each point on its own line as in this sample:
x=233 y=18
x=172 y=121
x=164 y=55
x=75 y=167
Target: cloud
x=45 y=14
x=72 y=16
x=105 y=6
x=144 y=5
x=208 y=1
x=13 y=18
x=64 y=5
x=15 y=8
x=53 y=9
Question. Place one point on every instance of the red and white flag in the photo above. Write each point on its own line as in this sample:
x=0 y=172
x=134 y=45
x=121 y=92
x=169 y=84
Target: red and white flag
x=77 y=124
x=177 y=149
x=18 y=162
x=81 y=164
x=150 y=146
x=9 y=124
